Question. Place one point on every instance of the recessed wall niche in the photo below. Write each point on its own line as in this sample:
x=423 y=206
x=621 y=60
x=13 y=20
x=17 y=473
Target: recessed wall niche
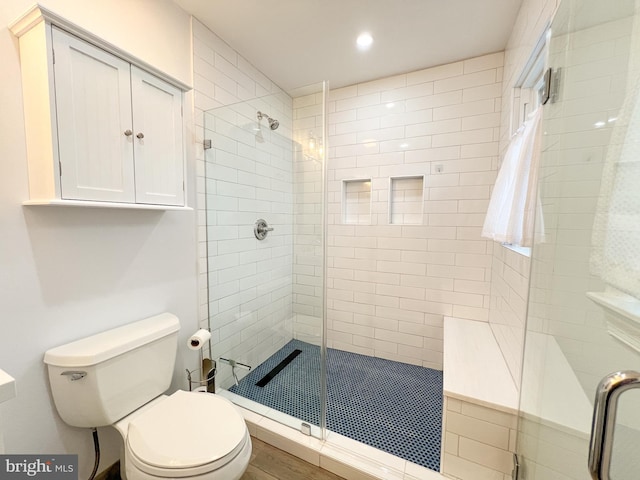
x=356 y=202
x=406 y=200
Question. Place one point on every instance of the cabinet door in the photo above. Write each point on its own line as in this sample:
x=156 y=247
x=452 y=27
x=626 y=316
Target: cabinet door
x=158 y=147
x=93 y=108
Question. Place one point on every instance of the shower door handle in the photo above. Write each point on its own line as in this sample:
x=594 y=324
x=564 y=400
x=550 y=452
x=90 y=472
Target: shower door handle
x=604 y=420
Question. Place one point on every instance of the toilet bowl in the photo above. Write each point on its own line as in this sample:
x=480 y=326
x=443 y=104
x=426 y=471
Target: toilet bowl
x=187 y=434
x=119 y=378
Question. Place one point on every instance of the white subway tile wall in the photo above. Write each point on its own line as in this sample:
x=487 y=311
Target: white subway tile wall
x=391 y=281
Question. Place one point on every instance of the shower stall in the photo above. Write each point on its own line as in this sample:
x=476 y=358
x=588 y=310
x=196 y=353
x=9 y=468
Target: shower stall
x=271 y=214
x=331 y=267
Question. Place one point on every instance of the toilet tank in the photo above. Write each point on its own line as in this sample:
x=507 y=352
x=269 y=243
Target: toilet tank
x=96 y=381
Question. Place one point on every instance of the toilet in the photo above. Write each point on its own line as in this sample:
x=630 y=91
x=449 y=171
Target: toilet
x=119 y=378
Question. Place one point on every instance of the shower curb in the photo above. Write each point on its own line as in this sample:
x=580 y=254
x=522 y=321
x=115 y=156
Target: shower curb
x=347 y=462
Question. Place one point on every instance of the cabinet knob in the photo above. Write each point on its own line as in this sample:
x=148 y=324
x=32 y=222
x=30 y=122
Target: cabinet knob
x=140 y=135
x=128 y=132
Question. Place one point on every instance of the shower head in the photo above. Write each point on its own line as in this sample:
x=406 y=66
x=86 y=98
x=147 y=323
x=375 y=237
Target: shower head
x=273 y=123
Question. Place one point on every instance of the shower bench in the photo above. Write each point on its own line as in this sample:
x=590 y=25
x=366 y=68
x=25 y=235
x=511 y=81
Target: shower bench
x=480 y=403
x=480 y=410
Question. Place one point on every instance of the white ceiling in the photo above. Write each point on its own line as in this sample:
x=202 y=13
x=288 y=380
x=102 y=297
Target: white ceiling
x=300 y=42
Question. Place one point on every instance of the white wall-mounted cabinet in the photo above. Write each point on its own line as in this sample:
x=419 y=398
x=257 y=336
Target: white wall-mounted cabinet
x=100 y=127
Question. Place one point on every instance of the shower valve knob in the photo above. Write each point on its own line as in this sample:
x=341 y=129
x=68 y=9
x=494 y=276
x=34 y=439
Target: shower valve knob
x=261 y=229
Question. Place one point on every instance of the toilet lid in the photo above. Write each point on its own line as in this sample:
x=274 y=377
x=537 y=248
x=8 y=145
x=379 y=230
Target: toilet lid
x=187 y=430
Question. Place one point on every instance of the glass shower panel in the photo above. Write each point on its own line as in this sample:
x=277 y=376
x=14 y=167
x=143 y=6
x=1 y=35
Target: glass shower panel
x=264 y=197
x=584 y=290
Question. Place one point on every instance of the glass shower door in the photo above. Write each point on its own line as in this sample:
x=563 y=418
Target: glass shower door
x=583 y=319
x=265 y=260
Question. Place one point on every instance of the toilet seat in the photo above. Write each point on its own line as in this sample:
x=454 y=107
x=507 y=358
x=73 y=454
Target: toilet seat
x=186 y=434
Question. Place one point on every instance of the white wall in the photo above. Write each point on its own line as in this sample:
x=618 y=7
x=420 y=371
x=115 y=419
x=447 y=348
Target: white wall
x=68 y=273
x=390 y=285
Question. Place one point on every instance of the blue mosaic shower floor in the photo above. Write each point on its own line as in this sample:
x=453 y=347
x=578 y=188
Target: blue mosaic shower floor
x=389 y=405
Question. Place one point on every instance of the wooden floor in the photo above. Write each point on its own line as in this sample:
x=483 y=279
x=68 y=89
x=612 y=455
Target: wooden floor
x=270 y=463
x=267 y=463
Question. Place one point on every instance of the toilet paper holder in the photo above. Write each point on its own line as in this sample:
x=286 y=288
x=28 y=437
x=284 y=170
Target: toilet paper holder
x=207 y=371
x=203 y=379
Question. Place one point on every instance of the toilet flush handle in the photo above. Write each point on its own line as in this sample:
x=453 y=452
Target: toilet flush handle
x=74 y=374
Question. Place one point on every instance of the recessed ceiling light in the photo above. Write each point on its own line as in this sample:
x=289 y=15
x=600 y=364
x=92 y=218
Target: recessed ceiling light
x=364 y=41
